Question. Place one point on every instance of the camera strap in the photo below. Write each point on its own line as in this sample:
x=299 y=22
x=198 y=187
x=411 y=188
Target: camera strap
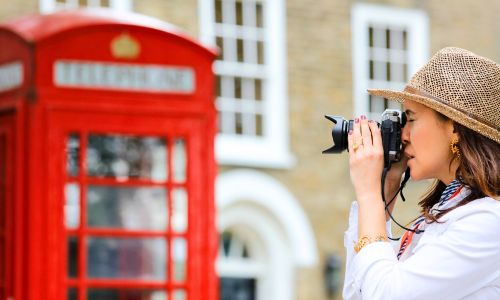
x=400 y=191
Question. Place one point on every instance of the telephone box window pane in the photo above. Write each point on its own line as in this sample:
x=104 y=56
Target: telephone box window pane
x=181 y=295
x=72 y=257
x=127 y=294
x=126 y=157
x=127 y=258
x=179 y=215
x=143 y=208
x=72 y=205
x=73 y=155
x=237 y=288
x=72 y=294
x=180 y=258
x=179 y=163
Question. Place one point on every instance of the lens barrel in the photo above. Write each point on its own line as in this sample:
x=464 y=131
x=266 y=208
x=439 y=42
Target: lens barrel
x=339 y=134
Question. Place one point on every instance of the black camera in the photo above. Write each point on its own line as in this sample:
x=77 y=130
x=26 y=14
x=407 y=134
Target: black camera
x=391 y=123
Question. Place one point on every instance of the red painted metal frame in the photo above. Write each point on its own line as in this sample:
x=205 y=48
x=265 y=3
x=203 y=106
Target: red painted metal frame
x=192 y=129
x=46 y=114
x=12 y=112
x=7 y=129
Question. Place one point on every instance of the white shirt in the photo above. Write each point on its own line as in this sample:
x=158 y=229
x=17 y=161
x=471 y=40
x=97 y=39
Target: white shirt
x=456 y=259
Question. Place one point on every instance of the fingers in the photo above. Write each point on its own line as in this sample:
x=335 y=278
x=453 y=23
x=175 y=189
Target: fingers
x=350 y=141
x=366 y=133
x=357 y=139
x=376 y=135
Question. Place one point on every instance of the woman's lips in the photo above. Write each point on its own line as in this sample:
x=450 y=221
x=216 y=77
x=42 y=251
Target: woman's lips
x=409 y=155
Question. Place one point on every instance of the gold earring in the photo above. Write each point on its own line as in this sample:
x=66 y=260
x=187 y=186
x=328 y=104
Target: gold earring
x=454 y=147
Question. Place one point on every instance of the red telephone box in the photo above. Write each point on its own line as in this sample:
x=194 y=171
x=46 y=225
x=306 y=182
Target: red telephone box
x=107 y=166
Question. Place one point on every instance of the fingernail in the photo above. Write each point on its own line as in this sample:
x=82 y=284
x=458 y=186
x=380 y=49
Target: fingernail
x=363 y=117
x=356 y=120
x=350 y=132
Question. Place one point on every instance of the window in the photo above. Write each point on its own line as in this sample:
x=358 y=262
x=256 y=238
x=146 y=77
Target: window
x=251 y=80
x=265 y=236
x=239 y=269
x=126 y=217
x=389 y=45
x=47 y=6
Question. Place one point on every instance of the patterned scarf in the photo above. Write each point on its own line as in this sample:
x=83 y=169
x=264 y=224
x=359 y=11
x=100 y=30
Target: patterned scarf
x=449 y=192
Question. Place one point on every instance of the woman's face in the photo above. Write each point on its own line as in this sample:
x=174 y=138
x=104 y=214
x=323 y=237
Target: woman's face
x=427 y=143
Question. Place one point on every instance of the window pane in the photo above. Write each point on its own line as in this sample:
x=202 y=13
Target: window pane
x=258 y=125
x=259 y=15
x=127 y=156
x=377 y=104
x=125 y=294
x=380 y=70
x=181 y=295
x=180 y=258
x=72 y=257
x=260 y=53
x=379 y=38
x=143 y=208
x=179 y=215
x=239 y=13
x=72 y=205
x=237 y=288
x=179 y=157
x=258 y=89
x=397 y=72
x=237 y=88
x=73 y=155
x=240 y=51
x=131 y=258
x=218 y=11
x=238 y=123
x=72 y=294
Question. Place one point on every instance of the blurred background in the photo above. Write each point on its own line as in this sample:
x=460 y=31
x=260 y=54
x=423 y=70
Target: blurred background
x=281 y=205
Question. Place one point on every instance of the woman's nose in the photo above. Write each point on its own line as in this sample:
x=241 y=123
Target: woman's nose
x=405 y=135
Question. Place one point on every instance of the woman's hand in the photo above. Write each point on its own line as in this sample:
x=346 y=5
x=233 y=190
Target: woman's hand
x=366 y=162
x=366 y=159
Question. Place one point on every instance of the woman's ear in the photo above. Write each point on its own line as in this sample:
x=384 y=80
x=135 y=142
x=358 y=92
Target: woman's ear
x=454 y=133
x=450 y=130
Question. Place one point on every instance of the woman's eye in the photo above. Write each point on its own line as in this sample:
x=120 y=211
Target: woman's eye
x=410 y=120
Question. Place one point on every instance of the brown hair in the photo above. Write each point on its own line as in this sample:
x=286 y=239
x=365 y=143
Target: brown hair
x=478 y=169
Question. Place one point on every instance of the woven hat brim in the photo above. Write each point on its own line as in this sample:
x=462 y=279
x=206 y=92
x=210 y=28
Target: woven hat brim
x=450 y=112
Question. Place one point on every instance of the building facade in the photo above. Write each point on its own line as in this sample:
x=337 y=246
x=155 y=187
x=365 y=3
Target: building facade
x=282 y=66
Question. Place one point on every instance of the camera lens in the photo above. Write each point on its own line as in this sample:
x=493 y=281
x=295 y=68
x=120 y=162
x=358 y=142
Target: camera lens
x=339 y=133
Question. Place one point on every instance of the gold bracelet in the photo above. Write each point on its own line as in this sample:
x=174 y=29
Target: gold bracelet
x=365 y=240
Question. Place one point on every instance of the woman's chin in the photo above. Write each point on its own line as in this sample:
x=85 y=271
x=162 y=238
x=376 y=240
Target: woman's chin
x=414 y=175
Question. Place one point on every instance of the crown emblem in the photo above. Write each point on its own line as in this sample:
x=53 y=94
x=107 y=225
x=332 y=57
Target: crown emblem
x=125 y=46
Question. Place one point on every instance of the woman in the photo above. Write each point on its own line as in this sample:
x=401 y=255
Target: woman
x=452 y=135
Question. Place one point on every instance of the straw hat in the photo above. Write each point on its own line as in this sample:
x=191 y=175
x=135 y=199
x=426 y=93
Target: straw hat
x=459 y=84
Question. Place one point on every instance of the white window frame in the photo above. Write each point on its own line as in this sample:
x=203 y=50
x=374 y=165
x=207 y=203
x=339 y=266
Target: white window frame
x=48 y=6
x=272 y=221
x=414 y=21
x=272 y=148
x=269 y=218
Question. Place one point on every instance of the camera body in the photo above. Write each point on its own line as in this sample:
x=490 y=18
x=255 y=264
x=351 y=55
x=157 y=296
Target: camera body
x=391 y=124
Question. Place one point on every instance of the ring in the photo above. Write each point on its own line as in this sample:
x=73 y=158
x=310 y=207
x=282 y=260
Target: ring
x=355 y=146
